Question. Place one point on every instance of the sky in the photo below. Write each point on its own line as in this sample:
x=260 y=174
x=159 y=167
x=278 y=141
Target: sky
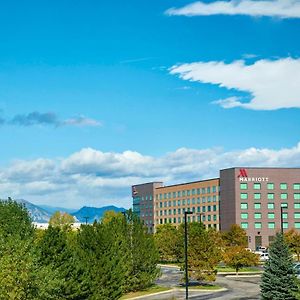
x=96 y=96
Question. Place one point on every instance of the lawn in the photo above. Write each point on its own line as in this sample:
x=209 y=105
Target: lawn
x=151 y=290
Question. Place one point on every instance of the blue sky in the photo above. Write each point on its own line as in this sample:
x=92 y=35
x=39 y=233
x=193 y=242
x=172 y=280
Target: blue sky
x=92 y=93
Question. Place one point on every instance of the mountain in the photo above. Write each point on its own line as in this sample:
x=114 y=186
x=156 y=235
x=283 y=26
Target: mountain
x=37 y=213
x=93 y=213
x=53 y=209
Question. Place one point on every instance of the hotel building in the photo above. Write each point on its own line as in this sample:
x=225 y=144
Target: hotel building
x=260 y=200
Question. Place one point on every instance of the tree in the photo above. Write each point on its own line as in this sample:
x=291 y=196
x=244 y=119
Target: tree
x=16 y=255
x=279 y=279
x=167 y=242
x=238 y=257
x=142 y=263
x=292 y=237
x=203 y=251
x=60 y=272
x=61 y=219
x=236 y=236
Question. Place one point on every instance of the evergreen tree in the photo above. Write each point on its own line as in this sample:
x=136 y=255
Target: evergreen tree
x=278 y=279
x=142 y=264
x=60 y=274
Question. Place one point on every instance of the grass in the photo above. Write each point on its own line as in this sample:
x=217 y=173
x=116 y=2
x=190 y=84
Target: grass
x=206 y=287
x=151 y=290
x=246 y=269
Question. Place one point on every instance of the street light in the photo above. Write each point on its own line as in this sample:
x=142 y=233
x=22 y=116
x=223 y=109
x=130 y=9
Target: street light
x=281 y=216
x=186 y=254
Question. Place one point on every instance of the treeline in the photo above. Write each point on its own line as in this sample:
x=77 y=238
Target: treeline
x=206 y=249
x=100 y=261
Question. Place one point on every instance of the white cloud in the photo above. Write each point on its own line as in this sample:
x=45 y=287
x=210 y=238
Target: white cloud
x=81 y=121
x=273 y=84
x=95 y=178
x=271 y=8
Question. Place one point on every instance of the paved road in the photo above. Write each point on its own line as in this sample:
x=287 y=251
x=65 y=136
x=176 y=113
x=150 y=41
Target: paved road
x=237 y=288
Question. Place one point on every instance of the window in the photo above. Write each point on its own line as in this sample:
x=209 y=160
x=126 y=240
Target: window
x=214 y=189
x=296 y=196
x=244 y=196
x=271 y=225
x=178 y=202
x=178 y=194
x=297 y=215
x=188 y=201
x=244 y=216
x=271 y=215
x=257 y=215
x=209 y=208
x=257 y=225
x=179 y=211
x=270 y=186
x=198 y=209
x=257 y=206
x=271 y=206
x=160 y=196
x=174 y=194
x=183 y=193
x=215 y=217
x=256 y=196
x=183 y=202
x=203 y=191
x=284 y=205
x=174 y=202
x=244 y=225
x=297 y=205
x=193 y=201
x=283 y=196
x=165 y=195
x=284 y=215
x=208 y=190
x=256 y=186
x=203 y=199
x=208 y=198
x=160 y=204
x=283 y=186
x=297 y=225
x=170 y=203
x=209 y=218
x=285 y=225
x=214 y=198
x=198 y=200
x=165 y=203
x=270 y=196
x=188 y=192
x=296 y=186
x=215 y=208
x=243 y=186
x=198 y=191
x=204 y=209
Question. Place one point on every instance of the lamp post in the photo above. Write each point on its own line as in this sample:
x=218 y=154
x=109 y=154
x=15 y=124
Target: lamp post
x=186 y=254
x=282 y=206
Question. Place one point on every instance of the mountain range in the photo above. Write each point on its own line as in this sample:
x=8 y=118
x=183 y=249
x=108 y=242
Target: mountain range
x=43 y=213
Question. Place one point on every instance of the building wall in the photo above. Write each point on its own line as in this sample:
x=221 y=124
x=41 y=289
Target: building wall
x=201 y=197
x=143 y=202
x=253 y=199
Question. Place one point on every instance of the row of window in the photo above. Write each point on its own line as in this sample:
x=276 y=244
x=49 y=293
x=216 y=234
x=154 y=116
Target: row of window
x=271 y=215
x=188 y=201
x=185 y=193
x=270 y=205
x=207 y=218
x=270 y=196
x=270 y=225
x=270 y=186
x=180 y=211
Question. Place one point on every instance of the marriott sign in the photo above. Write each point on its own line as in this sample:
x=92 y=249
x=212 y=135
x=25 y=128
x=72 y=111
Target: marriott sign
x=243 y=177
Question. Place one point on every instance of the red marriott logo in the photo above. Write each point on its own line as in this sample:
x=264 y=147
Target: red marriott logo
x=242 y=173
